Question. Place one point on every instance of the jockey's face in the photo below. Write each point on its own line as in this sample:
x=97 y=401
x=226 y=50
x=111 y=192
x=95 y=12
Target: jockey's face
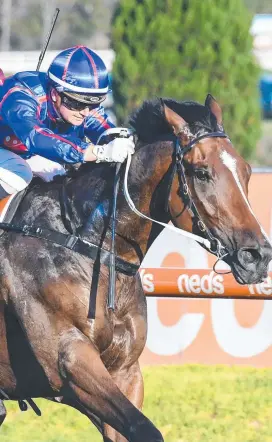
x=72 y=116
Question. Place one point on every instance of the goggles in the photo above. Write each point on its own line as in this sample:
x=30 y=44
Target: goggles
x=79 y=102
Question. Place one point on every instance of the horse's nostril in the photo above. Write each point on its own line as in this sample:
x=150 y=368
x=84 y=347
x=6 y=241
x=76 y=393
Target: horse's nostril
x=248 y=255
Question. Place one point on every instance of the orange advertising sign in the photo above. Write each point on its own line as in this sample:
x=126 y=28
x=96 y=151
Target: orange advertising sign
x=200 y=330
x=200 y=283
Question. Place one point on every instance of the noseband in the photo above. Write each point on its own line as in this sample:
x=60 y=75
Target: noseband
x=179 y=152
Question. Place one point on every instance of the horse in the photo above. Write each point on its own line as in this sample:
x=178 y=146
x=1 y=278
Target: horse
x=58 y=338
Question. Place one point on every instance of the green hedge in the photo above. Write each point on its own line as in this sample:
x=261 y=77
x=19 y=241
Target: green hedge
x=184 y=49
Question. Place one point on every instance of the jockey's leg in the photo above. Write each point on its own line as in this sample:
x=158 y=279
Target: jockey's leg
x=45 y=168
x=130 y=382
x=15 y=173
x=86 y=377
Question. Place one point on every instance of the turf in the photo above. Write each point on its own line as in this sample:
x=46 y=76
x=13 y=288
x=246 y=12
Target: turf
x=189 y=403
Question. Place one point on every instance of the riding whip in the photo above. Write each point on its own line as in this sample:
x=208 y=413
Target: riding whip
x=42 y=54
x=112 y=274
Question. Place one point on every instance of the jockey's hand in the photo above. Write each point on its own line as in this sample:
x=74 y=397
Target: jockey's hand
x=116 y=151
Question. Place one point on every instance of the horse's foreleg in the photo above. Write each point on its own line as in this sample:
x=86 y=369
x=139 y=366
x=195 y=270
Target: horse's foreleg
x=130 y=382
x=3 y=412
x=86 y=378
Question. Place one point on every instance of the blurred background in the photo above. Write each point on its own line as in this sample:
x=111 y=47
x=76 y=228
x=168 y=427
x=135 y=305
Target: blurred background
x=182 y=49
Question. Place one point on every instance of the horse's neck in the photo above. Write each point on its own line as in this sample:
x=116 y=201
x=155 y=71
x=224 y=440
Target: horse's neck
x=147 y=184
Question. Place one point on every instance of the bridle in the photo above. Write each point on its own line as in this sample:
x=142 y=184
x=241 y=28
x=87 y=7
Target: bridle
x=207 y=239
x=215 y=245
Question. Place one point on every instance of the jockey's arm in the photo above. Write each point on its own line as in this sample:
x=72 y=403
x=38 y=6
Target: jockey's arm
x=20 y=111
x=96 y=124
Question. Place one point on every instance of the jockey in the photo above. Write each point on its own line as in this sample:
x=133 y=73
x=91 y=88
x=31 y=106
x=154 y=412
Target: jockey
x=51 y=119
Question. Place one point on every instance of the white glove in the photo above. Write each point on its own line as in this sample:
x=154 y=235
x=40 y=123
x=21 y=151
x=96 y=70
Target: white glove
x=116 y=151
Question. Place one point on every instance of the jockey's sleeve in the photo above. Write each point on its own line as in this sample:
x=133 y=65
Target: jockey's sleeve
x=20 y=111
x=96 y=123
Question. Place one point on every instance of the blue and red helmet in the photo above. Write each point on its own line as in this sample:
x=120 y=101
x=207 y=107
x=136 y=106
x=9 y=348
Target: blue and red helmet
x=80 y=73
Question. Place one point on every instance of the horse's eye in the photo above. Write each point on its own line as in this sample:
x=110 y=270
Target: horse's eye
x=202 y=174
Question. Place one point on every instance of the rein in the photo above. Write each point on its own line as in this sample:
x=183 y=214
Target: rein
x=210 y=242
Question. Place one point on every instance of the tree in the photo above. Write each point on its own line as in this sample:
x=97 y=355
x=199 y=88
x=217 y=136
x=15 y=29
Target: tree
x=185 y=49
x=259 y=6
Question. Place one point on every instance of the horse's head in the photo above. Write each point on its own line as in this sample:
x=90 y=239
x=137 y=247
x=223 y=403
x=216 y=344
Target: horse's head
x=217 y=194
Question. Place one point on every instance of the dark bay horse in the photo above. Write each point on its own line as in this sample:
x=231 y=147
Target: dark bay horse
x=58 y=338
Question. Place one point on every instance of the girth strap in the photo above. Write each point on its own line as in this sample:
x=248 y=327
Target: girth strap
x=74 y=243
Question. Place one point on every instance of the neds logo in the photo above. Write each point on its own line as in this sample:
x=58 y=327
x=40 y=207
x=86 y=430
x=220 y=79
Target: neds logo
x=208 y=284
x=147 y=281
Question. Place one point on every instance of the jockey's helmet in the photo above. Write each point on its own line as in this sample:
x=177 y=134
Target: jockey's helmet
x=80 y=74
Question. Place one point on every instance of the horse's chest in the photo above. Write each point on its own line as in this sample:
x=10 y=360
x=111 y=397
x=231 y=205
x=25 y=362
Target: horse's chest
x=119 y=333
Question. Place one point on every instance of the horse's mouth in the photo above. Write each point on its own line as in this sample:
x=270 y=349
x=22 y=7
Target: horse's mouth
x=249 y=265
x=247 y=276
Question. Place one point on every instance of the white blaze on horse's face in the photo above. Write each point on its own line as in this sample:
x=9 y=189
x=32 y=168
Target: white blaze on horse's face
x=230 y=162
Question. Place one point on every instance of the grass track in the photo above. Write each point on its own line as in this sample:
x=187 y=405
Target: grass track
x=188 y=403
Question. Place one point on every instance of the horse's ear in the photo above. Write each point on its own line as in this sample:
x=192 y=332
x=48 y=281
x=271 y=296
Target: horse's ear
x=175 y=120
x=180 y=126
x=214 y=107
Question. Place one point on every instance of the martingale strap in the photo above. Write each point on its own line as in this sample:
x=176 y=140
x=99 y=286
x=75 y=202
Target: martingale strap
x=74 y=243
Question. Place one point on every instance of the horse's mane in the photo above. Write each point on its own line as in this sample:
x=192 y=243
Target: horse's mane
x=150 y=124
x=149 y=121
